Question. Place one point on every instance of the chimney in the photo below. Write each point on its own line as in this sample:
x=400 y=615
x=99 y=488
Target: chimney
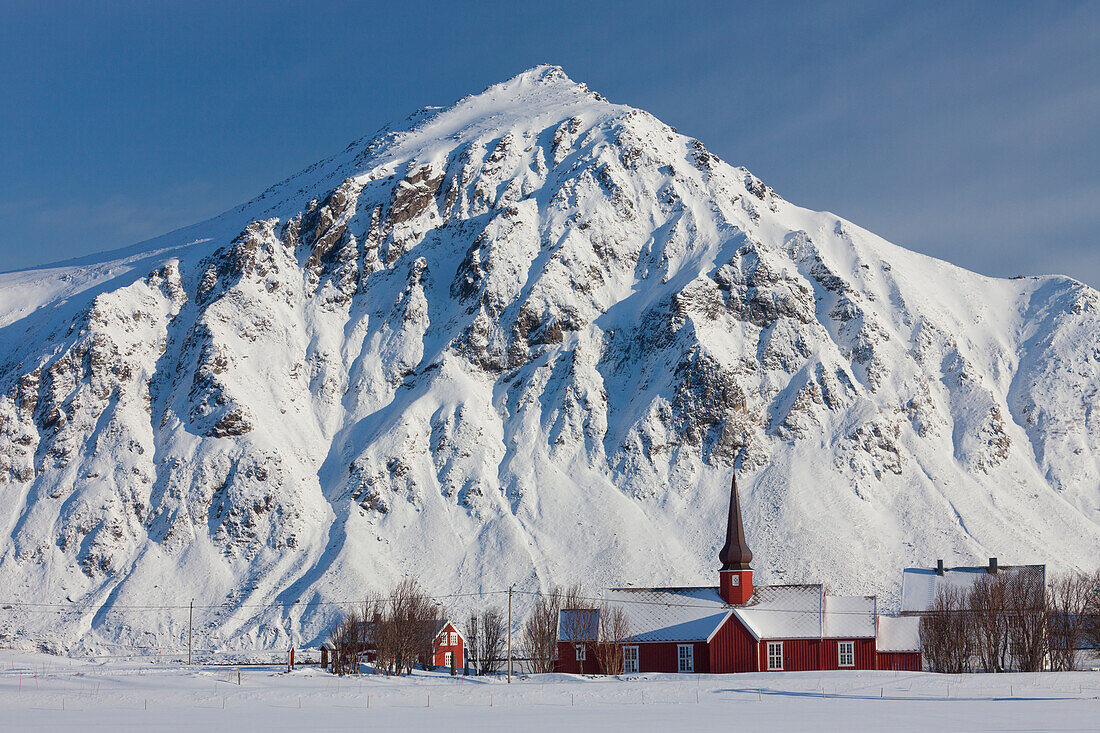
x=992 y=566
x=939 y=567
x=735 y=575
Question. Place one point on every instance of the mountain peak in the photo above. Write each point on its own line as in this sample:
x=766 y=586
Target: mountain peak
x=494 y=320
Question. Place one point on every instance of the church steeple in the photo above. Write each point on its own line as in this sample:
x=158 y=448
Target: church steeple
x=735 y=575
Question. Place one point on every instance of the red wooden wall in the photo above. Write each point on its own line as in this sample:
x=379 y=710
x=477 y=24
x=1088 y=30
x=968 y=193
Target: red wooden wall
x=567 y=660
x=652 y=657
x=864 y=654
x=801 y=655
x=733 y=649
x=900 y=661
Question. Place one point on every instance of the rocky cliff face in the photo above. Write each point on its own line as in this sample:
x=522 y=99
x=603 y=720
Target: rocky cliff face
x=521 y=339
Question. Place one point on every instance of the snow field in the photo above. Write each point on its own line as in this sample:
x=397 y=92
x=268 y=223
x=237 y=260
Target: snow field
x=42 y=693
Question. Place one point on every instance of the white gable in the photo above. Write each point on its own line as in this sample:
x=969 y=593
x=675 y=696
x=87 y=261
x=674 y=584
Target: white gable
x=898 y=634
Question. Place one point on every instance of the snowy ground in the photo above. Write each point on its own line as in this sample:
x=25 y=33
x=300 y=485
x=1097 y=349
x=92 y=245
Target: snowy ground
x=43 y=693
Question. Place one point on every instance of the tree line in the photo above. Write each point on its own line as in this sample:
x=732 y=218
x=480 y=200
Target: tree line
x=399 y=631
x=1012 y=621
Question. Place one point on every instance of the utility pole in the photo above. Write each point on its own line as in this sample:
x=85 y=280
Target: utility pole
x=190 y=617
x=509 y=634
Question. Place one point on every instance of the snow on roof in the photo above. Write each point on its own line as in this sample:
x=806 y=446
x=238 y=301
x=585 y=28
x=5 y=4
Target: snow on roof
x=919 y=586
x=773 y=612
x=670 y=614
x=783 y=612
x=849 y=617
x=898 y=634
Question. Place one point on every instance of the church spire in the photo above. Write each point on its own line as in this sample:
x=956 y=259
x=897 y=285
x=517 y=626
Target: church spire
x=735 y=575
x=735 y=555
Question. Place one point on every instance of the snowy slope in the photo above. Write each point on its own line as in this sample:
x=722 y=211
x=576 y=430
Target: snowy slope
x=521 y=339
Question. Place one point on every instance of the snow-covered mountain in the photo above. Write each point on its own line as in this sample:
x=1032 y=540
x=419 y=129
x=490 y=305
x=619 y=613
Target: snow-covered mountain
x=525 y=338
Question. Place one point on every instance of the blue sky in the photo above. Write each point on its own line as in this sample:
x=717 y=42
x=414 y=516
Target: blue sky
x=965 y=131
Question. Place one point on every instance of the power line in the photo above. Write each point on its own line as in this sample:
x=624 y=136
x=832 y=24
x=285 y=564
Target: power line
x=119 y=608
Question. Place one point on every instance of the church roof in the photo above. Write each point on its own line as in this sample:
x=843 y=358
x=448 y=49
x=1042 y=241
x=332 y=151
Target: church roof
x=848 y=617
x=670 y=614
x=783 y=612
x=773 y=612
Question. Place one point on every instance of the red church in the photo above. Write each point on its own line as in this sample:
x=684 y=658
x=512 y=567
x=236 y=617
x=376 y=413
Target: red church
x=739 y=627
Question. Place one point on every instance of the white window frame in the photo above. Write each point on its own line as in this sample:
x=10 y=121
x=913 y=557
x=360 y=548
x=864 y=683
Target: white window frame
x=775 y=653
x=454 y=638
x=580 y=651
x=447 y=657
x=681 y=658
x=846 y=650
x=630 y=660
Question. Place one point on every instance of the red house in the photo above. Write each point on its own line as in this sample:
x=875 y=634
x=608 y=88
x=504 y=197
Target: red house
x=449 y=645
x=734 y=627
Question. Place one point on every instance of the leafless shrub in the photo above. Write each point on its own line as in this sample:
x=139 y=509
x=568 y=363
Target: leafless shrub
x=487 y=637
x=614 y=630
x=539 y=639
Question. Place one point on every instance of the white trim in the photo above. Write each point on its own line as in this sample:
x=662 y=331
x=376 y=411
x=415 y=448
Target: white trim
x=768 y=656
x=636 y=660
x=580 y=652
x=680 y=657
x=840 y=653
x=719 y=626
x=455 y=630
x=745 y=624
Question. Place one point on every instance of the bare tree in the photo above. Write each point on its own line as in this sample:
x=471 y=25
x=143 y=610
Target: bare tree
x=1092 y=611
x=399 y=629
x=346 y=644
x=414 y=619
x=613 y=631
x=353 y=637
x=487 y=637
x=539 y=640
x=579 y=627
x=1026 y=617
x=947 y=632
x=988 y=605
x=1067 y=618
